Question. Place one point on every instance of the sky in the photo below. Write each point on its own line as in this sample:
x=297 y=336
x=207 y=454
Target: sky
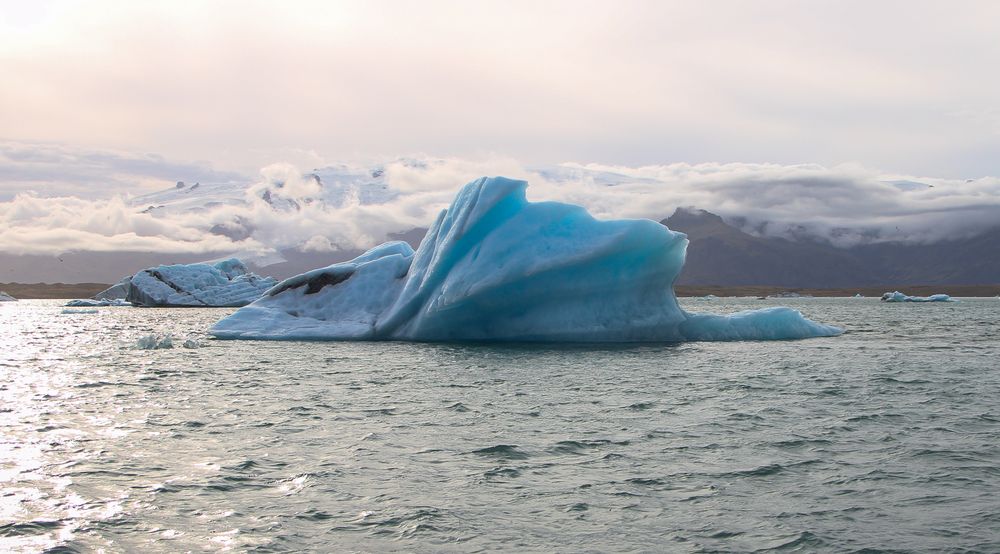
x=103 y=99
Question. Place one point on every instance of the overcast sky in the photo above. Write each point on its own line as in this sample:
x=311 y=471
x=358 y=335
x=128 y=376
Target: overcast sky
x=901 y=87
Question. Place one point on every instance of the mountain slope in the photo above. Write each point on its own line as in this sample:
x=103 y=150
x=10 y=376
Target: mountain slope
x=721 y=254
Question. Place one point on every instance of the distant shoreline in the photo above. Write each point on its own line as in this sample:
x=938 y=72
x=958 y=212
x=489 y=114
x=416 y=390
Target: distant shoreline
x=29 y=291
x=766 y=290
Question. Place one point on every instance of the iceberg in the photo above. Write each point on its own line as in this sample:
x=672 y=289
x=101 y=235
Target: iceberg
x=897 y=296
x=154 y=342
x=4 y=297
x=495 y=267
x=224 y=284
x=92 y=303
x=117 y=291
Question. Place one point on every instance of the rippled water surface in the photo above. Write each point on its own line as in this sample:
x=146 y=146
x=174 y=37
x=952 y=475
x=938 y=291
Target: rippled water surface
x=886 y=438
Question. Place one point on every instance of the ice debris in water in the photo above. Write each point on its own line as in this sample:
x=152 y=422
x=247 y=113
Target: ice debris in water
x=68 y=311
x=494 y=266
x=154 y=342
x=897 y=296
x=191 y=343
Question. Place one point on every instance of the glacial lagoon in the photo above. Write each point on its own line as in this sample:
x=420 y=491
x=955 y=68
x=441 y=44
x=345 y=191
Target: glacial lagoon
x=886 y=437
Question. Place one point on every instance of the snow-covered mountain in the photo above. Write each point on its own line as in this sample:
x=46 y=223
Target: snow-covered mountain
x=332 y=186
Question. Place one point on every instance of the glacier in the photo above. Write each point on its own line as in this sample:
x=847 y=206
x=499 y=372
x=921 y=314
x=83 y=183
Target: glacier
x=897 y=296
x=495 y=267
x=227 y=283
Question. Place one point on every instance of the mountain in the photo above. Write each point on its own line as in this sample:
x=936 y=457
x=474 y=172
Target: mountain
x=722 y=254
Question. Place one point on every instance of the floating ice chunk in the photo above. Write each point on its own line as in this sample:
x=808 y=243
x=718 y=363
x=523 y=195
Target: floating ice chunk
x=765 y=324
x=4 y=297
x=224 y=284
x=117 y=291
x=191 y=343
x=897 y=296
x=154 y=342
x=90 y=302
x=496 y=267
x=67 y=311
x=789 y=294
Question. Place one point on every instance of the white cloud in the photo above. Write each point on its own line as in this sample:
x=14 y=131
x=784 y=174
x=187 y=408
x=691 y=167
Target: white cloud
x=317 y=243
x=844 y=204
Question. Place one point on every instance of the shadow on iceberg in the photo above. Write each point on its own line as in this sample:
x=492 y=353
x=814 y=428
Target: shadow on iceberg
x=495 y=267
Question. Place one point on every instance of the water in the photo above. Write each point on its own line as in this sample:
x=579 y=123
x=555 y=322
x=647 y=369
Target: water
x=887 y=438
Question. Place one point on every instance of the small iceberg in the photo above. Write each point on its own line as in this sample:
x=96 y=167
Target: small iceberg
x=154 y=342
x=224 y=284
x=788 y=294
x=897 y=296
x=4 y=297
x=88 y=311
x=496 y=267
x=92 y=303
x=117 y=291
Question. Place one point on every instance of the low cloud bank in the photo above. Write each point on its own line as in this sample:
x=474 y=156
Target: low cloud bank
x=345 y=206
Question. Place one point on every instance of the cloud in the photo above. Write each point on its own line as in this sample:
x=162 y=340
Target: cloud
x=52 y=169
x=844 y=205
x=348 y=207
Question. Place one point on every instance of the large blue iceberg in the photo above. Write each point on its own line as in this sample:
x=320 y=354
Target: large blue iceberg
x=496 y=267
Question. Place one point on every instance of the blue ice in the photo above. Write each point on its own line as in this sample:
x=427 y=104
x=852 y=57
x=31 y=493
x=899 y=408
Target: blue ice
x=897 y=296
x=496 y=267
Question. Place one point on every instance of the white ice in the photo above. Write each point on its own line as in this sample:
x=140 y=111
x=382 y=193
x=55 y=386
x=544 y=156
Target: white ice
x=224 y=284
x=117 y=291
x=496 y=267
x=90 y=302
x=897 y=296
x=154 y=342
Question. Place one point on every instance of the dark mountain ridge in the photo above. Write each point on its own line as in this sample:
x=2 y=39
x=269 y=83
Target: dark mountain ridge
x=721 y=254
